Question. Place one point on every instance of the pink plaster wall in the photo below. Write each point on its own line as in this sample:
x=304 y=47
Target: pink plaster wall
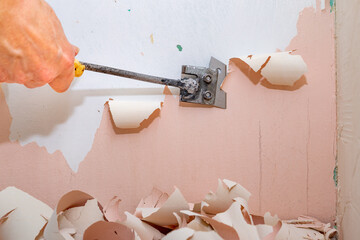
x=279 y=144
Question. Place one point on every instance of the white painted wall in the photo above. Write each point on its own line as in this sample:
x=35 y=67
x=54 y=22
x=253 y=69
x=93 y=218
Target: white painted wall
x=116 y=33
x=348 y=76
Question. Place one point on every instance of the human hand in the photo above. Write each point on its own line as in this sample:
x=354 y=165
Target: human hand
x=34 y=50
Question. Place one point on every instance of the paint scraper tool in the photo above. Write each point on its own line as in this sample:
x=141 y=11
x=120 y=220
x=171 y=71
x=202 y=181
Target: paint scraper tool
x=200 y=85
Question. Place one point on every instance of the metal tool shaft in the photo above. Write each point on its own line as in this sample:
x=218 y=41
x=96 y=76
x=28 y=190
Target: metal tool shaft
x=199 y=85
x=133 y=75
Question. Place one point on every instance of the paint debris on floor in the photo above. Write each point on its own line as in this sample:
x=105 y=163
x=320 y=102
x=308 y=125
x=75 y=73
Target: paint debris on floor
x=223 y=214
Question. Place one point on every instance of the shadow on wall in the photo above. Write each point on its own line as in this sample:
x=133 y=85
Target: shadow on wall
x=45 y=109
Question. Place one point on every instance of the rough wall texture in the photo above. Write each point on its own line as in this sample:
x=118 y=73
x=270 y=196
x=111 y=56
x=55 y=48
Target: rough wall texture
x=279 y=144
x=348 y=75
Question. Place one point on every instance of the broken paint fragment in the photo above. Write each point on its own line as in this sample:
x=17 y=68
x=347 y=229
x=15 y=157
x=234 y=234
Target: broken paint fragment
x=130 y=114
x=223 y=197
x=281 y=68
x=152 y=38
x=179 y=47
x=65 y=226
x=164 y=215
x=142 y=229
x=21 y=215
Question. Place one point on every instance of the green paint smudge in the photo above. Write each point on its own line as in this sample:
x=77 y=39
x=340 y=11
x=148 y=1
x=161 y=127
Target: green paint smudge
x=179 y=47
x=335 y=176
x=332 y=5
x=129 y=10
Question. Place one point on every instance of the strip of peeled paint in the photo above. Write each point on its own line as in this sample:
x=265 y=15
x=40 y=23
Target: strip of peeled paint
x=281 y=68
x=221 y=200
x=61 y=226
x=80 y=218
x=163 y=215
x=23 y=215
x=141 y=228
x=130 y=114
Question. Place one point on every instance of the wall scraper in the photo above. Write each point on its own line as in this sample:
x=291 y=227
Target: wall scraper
x=199 y=85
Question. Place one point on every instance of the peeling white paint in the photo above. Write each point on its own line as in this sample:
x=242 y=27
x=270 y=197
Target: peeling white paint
x=116 y=33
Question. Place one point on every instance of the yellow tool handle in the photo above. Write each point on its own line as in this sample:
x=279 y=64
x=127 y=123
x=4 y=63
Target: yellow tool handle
x=79 y=68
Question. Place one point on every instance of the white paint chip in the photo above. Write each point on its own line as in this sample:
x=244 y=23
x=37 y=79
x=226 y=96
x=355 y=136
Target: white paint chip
x=235 y=218
x=142 y=229
x=129 y=114
x=74 y=213
x=180 y=234
x=81 y=218
x=224 y=195
x=28 y=216
x=282 y=68
x=163 y=216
